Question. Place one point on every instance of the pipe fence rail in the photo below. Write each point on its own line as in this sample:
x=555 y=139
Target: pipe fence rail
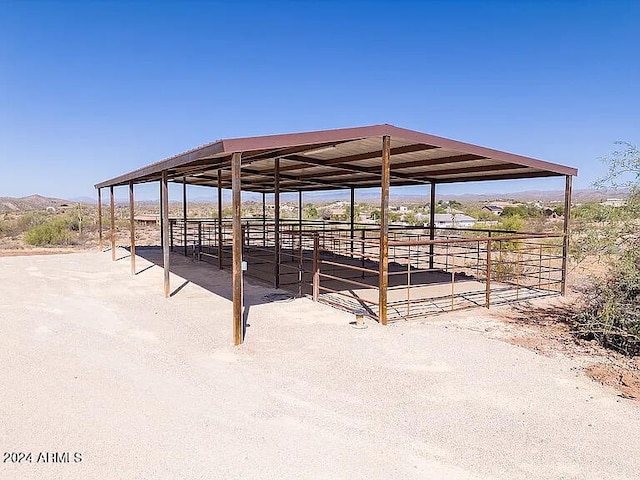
x=331 y=262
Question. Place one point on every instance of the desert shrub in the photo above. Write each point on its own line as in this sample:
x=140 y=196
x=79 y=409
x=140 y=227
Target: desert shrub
x=523 y=211
x=53 y=232
x=610 y=311
x=512 y=223
x=28 y=220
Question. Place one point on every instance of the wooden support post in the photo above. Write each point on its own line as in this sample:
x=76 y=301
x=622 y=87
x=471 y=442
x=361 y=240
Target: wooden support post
x=565 y=240
x=184 y=214
x=316 y=267
x=432 y=221
x=132 y=228
x=352 y=216
x=276 y=224
x=384 y=230
x=164 y=202
x=220 y=238
x=237 y=248
x=113 y=224
x=101 y=245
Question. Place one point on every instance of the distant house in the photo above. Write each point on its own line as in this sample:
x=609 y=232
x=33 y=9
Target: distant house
x=495 y=209
x=337 y=212
x=446 y=220
x=148 y=219
x=614 y=202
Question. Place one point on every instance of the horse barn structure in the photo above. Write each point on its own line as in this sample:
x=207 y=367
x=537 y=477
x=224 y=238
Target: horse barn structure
x=388 y=273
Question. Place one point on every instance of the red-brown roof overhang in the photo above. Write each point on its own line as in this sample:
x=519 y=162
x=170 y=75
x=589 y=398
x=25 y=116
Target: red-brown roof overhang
x=342 y=158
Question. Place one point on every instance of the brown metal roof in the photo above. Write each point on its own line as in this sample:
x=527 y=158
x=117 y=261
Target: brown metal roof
x=342 y=158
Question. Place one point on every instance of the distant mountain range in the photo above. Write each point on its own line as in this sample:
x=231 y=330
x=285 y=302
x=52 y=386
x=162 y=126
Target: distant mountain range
x=39 y=202
x=32 y=202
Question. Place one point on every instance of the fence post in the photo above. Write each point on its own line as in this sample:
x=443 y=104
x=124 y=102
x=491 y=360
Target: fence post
x=316 y=267
x=362 y=261
x=488 y=277
x=540 y=268
x=171 y=225
x=565 y=230
x=409 y=280
x=453 y=288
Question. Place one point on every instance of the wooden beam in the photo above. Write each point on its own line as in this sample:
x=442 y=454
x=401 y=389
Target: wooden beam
x=350 y=158
x=377 y=154
x=269 y=154
x=164 y=201
x=506 y=176
x=375 y=170
x=565 y=240
x=101 y=246
x=437 y=161
x=384 y=230
x=269 y=178
x=475 y=169
x=354 y=168
x=237 y=247
x=333 y=173
x=132 y=228
x=113 y=224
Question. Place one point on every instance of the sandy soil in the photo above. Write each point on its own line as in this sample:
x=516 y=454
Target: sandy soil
x=96 y=361
x=544 y=328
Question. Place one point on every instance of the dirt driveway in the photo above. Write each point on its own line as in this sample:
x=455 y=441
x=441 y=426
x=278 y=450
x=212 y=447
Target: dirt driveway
x=97 y=362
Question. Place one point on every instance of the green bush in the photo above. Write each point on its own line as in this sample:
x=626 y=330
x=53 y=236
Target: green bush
x=523 y=211
x=611 y=314
x=29 y=220
x=511 y=224
x=610 y=310
x=54 y=232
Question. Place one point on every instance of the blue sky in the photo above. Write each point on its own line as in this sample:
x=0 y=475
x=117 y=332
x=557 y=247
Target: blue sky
x=91 y=90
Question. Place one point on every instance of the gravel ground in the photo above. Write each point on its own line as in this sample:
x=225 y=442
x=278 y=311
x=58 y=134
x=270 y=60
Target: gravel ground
x=95 y=361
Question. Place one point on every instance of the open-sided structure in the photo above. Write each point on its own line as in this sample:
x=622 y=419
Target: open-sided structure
x=351 y=265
